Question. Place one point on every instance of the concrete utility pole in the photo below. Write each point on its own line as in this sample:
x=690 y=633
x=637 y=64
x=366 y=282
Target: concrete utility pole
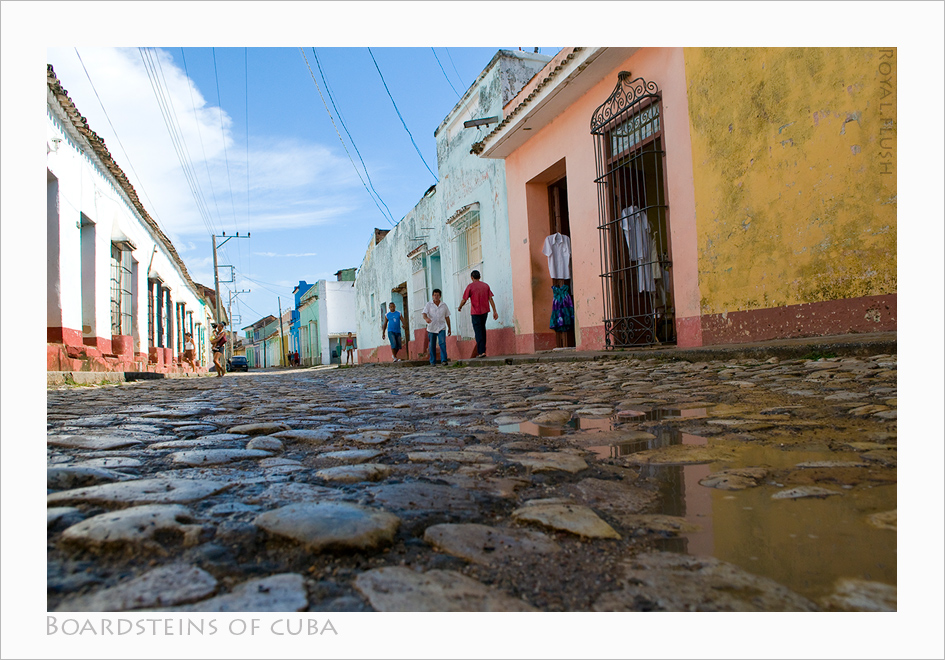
x=229 y=315
x=216 y=278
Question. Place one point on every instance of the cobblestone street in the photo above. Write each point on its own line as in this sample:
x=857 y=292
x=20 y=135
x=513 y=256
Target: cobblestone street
x=605 y=485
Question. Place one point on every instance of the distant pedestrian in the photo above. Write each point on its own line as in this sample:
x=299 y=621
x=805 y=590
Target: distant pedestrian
x=480 y=296
x=437 y=316
x=217 y=343
x=349 y=349
x=393 y=329
x=189 y=350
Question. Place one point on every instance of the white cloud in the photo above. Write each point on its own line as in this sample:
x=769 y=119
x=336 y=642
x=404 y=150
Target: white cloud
x=291 y=184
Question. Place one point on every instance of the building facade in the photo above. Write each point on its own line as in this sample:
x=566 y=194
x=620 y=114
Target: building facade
x=459 y=225
x=119 y=298
x=707 y=196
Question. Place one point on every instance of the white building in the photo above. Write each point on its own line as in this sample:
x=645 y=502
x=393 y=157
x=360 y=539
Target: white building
x=336 y=318
x=460 y=225
x=119 y=298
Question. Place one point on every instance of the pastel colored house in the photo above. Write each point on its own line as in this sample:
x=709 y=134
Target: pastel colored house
x=296 y=325
x=459 y=225
x=255 y=336
x=336 y=316
x=309 y=346
x=118 y=295
x=709 y=195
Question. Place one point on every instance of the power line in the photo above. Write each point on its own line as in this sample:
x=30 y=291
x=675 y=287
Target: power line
x=200 y=136
x=223 y=132
x=444 y=71
x=312 y=73
x=102 y=105
x=342 y=121
x=246 y=77
x=454 y=66
x=401 y=117
x=173 y=130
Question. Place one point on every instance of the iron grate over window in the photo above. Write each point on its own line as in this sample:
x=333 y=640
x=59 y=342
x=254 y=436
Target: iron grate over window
x=636 y=265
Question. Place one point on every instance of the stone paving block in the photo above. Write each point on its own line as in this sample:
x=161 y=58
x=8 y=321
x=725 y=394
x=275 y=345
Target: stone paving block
x=573 y=518
x=164 y=586
x=74 y=476
x=141 y=491
x=670 y=582
x=398 y=589
x=487 y=545
x=284 y=592
x=331 y=525
x=136 y=526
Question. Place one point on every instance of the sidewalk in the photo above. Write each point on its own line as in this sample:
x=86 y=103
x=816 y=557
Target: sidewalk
x=785 y=349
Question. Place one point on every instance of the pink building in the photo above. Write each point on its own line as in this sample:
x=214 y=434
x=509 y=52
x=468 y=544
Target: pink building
x=699 y=196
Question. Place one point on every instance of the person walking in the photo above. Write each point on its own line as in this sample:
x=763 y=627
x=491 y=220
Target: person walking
x=480 y=298
x=393 y=330
x=217 y=343
x=349 y=349
x=189 y=350
x=437 y=316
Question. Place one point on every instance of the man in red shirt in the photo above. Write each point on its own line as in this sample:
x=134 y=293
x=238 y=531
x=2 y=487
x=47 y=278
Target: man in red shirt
x=480 y=296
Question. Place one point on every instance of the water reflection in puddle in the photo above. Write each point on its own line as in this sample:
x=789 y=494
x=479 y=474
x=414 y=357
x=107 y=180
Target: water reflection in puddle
x=804 y=544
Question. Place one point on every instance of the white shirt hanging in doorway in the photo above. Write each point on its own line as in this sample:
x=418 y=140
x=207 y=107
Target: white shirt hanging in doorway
x=558 y=250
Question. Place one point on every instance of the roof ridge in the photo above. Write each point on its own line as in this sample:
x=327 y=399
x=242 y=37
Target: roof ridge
x=81 y=124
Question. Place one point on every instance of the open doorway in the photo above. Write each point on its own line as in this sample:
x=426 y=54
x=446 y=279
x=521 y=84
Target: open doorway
x=562 y=320
x=398 y=296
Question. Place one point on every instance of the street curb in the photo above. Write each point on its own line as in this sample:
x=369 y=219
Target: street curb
x=99 y=377
x=853 y=345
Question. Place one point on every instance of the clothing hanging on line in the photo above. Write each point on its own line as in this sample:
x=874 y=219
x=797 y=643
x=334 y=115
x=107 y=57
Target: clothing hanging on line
x=641 y=245
x=562 y=309
x=557 y=248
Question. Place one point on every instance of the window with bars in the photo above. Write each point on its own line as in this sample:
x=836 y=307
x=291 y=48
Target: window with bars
x=634 y=215
x=120 y=290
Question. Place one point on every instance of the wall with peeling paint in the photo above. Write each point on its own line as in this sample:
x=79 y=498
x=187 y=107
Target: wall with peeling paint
x=794 y=176
x=464 y=180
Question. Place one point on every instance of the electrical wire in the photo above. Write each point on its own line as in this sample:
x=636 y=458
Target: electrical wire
x=401 y=117
x=358 y=172
x=454 y=67
x=203 y=150
x=140 y=182
x=444 y=72
x=347 y=132
x=223 y=132
x=173 y=129
x=246 y=78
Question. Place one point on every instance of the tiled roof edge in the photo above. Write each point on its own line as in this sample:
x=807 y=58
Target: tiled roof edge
x=98 y=146
x=479 y=147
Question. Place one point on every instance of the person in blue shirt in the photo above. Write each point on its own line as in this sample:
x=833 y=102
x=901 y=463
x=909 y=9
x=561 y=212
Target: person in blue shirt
x=392 y=328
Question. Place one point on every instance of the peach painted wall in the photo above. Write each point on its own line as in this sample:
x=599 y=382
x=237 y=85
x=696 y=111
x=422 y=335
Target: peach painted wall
x=566 y=147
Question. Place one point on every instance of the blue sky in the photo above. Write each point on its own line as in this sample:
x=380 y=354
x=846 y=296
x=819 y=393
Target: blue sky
x=297 y=160
x=263 y=151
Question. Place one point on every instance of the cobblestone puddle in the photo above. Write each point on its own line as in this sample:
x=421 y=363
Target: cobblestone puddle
x=612 y=485
x=806 y=544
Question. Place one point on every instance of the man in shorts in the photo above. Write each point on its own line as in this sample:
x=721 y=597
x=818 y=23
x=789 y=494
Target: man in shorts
x=393 y=329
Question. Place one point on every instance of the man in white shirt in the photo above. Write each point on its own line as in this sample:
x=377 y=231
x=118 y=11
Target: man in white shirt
x=437 y=316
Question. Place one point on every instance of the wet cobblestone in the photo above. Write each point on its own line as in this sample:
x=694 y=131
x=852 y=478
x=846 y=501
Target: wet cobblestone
x=432 y=469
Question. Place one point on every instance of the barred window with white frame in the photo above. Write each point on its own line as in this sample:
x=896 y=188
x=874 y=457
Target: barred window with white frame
x=120 y=290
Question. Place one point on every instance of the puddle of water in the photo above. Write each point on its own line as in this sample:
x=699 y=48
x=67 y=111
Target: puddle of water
x=804 y=544
x=576 y=424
